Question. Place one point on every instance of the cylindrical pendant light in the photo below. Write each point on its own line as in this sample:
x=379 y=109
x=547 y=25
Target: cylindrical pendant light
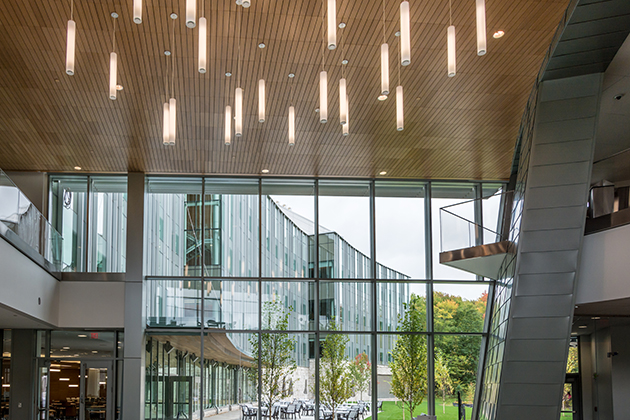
x=165 y=131
x=323 y=97
x=332 y=24
x=291 y=126
x=400 y=122
x=261 y=101
x=452 y=66
x=203 y=44
x=405 y=34
x=238 y=112
x=113 y=69
x=481 y=27
x=191 y=13
x=137 y=11
x=70 y=44
x=384 y=69
x=345 y=129
x=172 y=124
x=343 y=105
x=228 y=125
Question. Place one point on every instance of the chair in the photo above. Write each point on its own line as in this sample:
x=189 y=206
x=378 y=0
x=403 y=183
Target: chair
x=290 y=411
x=354 y=414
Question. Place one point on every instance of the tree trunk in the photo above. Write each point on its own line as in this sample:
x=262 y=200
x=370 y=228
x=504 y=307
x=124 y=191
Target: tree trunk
x=443 y=401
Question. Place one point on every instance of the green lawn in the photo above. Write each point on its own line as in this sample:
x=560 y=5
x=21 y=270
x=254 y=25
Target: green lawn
x=393 y=411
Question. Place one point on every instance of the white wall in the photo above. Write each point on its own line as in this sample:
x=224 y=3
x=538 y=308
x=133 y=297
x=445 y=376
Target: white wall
x=91 y=304
x=34 y=185
x=22 y=283
x=605 y=266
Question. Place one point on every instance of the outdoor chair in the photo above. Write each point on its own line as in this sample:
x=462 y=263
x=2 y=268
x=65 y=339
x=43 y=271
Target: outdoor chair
x=290 y=412
x=354 y=414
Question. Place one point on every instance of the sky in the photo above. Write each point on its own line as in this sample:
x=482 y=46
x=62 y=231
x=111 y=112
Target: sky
x=399 y=232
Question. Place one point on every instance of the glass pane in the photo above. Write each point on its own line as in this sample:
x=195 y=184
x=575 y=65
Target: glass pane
x=293 y=300
x=6 y=343
x=64 y=389
x=108 y=224
x=345 y=374
x=82 y=344
x=492 y=206
x=172 y=213
x=231 y=231
x=173 y=303
x=396 y=298
x=95 y=386
x=456 y=364
x=573 y=364
x=459 y=307
x=288 y=214
x=345 y=306
x=5 y=391
x=400 y=230
x=231 y=305
x=448 y=236
x=344 y=227
x=68 y=216
x=404 y=367
x=286 y=373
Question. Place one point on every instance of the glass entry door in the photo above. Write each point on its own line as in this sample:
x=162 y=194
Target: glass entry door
x=75 y=390
x=96 y=391
x=178 y=398
x=571 y=398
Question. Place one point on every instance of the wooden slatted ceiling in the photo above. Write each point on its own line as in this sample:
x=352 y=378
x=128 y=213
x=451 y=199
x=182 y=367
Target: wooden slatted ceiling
x=463 y=127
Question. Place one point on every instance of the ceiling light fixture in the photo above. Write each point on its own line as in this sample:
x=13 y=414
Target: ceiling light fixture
x=71 y=42
x=82 y=336
x=246 y=3
x=191 y=13
x=203 y=40
x=382 y=173
x=165 y=130
x=265 y=171
x=261 y=101
x=228 y=125
x=291 y=113
x=384 y=63
x=498 y=34
x=137 y=11
x=119 y=87
x=77 y=168
x=583 y=326
x=261 y=45
x=345 y=129
x=238 y=96
x=172 y=103
x=452 y=54
x=405 y=34
x=323 y=78
x=400 y=119
x=343 y=97
x=481 y=27
x=332 y=24
x=113 y=63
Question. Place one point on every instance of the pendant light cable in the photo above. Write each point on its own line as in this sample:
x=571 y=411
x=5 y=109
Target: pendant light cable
x=114 y=37
x=323 y=32
x=384 y=41
x=71 y=9
x=450 y=13
x=173 y=61
x=238 y=62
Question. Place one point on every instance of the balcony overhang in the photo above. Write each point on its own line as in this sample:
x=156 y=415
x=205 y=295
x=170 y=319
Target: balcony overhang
x=482 y=260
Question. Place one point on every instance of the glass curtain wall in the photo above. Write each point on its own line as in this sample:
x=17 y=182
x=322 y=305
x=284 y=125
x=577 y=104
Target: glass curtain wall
x=90 y=212
x=303 y=281
x=5 y=373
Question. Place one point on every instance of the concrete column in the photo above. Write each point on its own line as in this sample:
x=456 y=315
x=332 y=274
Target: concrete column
x=135 y=317
x=23 y=375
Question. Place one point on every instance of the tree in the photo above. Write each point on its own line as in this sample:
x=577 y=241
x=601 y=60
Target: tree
x=334 y=373
x=409 y=359
x=275 y=354
x=442 y=379
x=361 y=373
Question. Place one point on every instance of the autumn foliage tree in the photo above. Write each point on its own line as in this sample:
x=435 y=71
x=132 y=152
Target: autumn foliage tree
x=361 y=373
x=409 y=358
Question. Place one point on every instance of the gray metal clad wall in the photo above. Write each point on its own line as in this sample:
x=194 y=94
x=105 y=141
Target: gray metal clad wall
x=551 y=236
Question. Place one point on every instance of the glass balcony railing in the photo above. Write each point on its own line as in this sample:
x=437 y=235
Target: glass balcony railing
x=458 y=231
x=24 y=226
